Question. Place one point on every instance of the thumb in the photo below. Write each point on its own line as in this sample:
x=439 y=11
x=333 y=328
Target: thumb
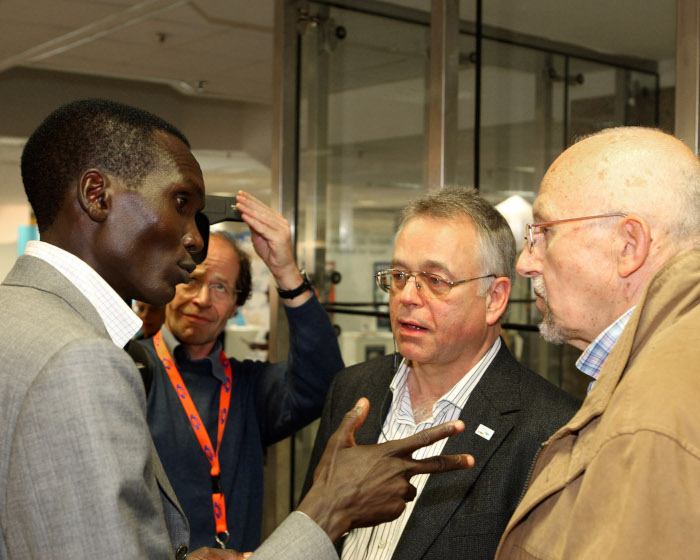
x=352 y=421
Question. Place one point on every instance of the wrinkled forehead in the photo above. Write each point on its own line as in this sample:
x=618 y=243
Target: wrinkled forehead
x=222 y=262
x=576 y=184
x=557 y=201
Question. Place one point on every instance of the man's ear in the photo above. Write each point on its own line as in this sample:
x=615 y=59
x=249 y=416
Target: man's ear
x=636 y=241
x=497 y=299
x=94 y=194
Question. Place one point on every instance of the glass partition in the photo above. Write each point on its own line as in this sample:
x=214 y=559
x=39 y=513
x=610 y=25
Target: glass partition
x=363 y=133
x=600 y=95
x=522 y=118
x=362 y=152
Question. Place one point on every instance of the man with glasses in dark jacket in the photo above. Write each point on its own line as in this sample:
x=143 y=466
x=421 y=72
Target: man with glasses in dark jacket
x=449 y=283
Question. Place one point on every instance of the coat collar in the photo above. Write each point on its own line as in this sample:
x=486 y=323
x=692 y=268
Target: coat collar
x=674 y=288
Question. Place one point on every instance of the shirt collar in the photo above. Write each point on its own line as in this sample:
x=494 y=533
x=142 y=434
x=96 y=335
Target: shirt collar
x=593 y=358
x=458 y=395
x=119 y=319
x=180 y=355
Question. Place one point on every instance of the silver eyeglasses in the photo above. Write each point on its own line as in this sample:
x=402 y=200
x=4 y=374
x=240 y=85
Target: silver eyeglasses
x=217 y=290
x=533 y=230
x=435 y=285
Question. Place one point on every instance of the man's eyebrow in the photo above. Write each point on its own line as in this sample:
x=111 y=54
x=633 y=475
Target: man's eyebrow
x=198 y=191
x=189 y=187
x=436 y=265
x=425 y=266
x=537 y=216
x=222 y=280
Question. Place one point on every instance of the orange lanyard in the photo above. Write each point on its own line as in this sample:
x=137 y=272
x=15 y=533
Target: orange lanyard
x=200 y=431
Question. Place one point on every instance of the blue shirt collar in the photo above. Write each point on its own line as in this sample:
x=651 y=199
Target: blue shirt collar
x=180 y=355
x=593 y=358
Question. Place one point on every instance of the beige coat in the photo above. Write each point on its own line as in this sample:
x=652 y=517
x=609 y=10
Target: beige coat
x=622 y=478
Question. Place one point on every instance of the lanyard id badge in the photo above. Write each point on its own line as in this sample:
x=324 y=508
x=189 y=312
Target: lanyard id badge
x=217 y=496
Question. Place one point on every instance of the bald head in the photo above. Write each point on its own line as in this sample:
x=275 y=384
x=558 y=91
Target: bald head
x=643 y=189
x=633 y=170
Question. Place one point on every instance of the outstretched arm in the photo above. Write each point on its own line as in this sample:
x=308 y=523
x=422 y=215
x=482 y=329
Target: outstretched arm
x=290 y=395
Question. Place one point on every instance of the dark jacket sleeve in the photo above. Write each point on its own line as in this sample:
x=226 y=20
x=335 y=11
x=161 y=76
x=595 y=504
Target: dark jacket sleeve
x=325 y=430
x=290 y=394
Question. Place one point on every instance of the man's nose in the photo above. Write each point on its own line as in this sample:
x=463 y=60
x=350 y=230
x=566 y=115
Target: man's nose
x=203 y=296
x=528 y=263
x=410 y=294
x=192 y=239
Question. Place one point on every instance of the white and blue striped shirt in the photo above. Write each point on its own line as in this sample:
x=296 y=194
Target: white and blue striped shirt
x=379 y=543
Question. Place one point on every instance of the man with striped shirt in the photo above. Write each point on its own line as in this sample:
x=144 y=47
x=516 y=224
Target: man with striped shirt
x=448 y=285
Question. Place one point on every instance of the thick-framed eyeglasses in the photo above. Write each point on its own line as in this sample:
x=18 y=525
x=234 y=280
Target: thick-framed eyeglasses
x=217 y=290
x=533 y=231
x=434 y=284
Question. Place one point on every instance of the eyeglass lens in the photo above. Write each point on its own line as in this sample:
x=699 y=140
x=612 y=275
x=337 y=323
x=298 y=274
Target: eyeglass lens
x=216 y=291
x=396 y=279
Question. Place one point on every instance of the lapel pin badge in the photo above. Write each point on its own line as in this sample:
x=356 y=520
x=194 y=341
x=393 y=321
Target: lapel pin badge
x=484 y=431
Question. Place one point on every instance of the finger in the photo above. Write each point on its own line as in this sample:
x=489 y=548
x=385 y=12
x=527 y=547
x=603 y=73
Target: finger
x=425 y=438
x=351 y=423
x=410 y=493
x=246 y=197
x=262 y=217
x=250 y=205
x=440 y=463
x=266 y=222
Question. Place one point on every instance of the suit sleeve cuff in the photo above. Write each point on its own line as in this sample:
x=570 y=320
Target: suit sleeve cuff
x=298 y=536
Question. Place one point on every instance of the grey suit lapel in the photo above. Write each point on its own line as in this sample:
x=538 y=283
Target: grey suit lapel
x=497 y=393
x=31 y=272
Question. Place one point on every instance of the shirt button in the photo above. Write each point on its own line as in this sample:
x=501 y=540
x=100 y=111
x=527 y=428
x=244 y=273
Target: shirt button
x=382 y=544
x=181 y=553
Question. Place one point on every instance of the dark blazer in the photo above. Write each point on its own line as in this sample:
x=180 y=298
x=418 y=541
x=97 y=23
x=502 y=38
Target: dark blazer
x=461 y=514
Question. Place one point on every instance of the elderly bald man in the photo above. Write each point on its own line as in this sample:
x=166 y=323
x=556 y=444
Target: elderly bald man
x=616 y=269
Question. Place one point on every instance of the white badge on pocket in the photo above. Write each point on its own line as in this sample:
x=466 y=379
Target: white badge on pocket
x=484 y=431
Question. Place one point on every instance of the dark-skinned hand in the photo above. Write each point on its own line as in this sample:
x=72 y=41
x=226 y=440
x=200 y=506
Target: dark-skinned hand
x=363 y=485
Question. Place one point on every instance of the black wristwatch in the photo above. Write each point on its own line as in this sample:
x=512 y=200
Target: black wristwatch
x=291 y=294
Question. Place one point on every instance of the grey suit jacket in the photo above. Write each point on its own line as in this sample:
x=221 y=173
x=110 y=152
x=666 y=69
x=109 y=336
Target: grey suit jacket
x=461 y=514
x=80 y=477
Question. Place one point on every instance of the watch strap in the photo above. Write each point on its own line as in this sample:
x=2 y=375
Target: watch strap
x=291 y=294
